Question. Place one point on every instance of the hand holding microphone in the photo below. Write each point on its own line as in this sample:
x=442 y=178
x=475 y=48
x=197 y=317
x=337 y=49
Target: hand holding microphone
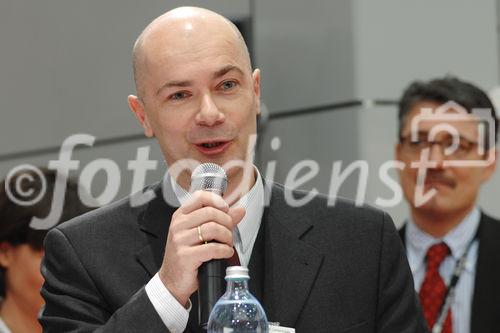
x=184 y=251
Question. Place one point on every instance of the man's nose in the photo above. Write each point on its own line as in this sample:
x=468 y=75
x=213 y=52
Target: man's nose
x=209 y=114
x=436 y=154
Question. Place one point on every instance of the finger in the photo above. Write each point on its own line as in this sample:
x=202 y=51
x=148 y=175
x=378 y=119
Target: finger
x=201 y=199
x=236 y=214
x=207 y=214
x=210 y=231
x=209 y=251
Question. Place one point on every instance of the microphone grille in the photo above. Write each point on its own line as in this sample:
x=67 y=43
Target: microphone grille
x=209 y=177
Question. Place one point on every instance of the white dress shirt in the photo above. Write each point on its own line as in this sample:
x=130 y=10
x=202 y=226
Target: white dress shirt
x=173 y=314
x=418 y=243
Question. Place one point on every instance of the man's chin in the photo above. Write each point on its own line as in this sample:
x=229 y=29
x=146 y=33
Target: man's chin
x=434 y=206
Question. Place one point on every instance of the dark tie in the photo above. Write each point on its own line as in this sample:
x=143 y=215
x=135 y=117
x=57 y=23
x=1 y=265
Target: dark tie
x=433 y=289
x=234 y=260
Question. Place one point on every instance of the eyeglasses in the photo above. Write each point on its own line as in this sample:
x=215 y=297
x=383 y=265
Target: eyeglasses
x=462 y=151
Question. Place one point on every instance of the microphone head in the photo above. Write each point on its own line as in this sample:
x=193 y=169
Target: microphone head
x=209 y=177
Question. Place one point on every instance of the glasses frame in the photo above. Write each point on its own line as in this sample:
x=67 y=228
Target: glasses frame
x=415 y=147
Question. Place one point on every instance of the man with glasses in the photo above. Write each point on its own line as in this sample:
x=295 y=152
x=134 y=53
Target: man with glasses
x=447 y=136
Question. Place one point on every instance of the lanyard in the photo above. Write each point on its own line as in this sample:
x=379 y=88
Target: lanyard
x=450 y=293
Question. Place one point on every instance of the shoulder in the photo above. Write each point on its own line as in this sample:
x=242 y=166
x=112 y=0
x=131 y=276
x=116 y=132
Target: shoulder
x=117 y=219
x=322 y=203
x=341 y=214
x=490 y=228
x=490 y=221
x=110 y=215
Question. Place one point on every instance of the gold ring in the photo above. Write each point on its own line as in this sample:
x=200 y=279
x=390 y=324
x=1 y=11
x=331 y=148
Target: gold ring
x=200 y=236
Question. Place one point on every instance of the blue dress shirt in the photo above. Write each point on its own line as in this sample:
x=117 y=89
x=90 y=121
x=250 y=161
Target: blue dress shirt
x=418 y=243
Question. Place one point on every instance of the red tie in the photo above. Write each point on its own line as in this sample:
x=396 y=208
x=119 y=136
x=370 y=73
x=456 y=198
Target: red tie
x=234 y=260
x=433 y=289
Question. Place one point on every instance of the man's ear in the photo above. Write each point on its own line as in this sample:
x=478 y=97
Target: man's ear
x=139 y=110
x=399 y=157
x=5 y=254
x=256 y=87
x=489 y=170
x=397 y=151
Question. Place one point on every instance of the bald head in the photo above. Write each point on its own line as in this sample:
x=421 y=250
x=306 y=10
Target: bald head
x=183 y=25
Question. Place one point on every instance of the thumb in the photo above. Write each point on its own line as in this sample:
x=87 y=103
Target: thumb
x=237 y=214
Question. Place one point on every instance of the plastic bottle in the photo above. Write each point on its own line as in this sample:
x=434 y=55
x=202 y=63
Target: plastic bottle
x=237 y=311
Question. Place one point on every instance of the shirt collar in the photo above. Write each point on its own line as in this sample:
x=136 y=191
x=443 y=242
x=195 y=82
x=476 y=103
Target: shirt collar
x=252 y=201
x=457 y=239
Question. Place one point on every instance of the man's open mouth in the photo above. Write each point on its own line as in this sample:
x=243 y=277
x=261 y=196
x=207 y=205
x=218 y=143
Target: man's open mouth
x=212 y=148
x=211 y=144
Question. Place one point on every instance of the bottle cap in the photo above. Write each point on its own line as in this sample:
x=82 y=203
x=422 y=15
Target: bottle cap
x=237 y=272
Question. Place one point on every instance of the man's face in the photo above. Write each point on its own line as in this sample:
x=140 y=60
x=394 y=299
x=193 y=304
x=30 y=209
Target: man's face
x=456 y=187
x=200 y=98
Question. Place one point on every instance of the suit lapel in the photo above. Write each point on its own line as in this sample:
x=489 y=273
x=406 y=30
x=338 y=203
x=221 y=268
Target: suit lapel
x=291 y=264
x=154 y=222
x=150 y=257
x=402 y=234
x=486 y=298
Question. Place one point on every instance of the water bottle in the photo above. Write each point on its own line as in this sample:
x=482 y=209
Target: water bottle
x=237 y=311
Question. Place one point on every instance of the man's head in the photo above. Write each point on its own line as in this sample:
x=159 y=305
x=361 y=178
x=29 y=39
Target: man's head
x=456 y=187
x=196 y=92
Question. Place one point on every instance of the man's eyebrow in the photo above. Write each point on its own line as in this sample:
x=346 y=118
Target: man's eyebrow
x=226 y=69
x=219 y=73
x=447 y=135
x=171 y=84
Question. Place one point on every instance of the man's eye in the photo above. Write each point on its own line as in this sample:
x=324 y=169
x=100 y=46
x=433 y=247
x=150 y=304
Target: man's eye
x=226 y=85
x=464 y=145
x=419 y=143
x=178 y=96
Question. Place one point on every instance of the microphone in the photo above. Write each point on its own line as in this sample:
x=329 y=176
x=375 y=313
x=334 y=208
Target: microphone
x=212 y=178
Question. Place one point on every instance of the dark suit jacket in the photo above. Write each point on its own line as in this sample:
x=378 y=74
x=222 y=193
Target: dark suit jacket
x=485 y=313
x=328 y=269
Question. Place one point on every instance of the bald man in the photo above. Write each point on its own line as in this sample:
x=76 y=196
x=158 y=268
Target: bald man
x=126 y=268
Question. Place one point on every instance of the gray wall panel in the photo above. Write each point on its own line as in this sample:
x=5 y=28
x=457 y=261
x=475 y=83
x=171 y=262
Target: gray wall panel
x=304 y=49
x=398 y=41
x=66 y=66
